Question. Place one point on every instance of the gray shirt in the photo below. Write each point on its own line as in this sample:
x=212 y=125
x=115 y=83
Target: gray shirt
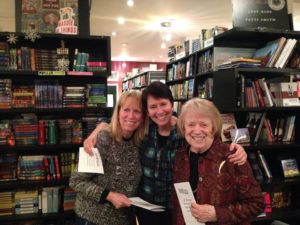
x=122 y=173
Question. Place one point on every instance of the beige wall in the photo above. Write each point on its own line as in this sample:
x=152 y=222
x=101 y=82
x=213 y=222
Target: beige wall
x=7 y=15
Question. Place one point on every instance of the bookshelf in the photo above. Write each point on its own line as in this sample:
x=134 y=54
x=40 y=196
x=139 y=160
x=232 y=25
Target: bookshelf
x=46 y=111
x=226 y=88
x=142 y=80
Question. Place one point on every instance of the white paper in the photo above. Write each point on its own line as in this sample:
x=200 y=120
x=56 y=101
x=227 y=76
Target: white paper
x=90 y=164
x=146 y=205
x=186 y=198
x=110 y=100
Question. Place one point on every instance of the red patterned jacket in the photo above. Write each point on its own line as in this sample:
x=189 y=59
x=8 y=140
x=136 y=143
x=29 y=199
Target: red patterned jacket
x=232 y=189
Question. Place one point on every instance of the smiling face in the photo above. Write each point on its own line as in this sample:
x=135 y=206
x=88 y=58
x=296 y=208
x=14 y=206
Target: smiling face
x=130 y=116
x=198 y=131
x=159 y=110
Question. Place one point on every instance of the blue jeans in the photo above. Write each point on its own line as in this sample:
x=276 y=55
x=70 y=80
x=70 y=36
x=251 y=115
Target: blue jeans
x=80 y=221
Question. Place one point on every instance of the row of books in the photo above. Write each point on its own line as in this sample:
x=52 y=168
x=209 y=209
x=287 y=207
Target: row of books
x=259 y=128
x=37 y=167
x=44 y=200
x=30 y=130
x=187 y=68
x=183 y=90
x=278 y=53
x=50 y=94
x=275 y=200
x=260 y=93
x=33 y=59
x=205 y=89
x=262 y=170
x=204 y=40
x=179 y=71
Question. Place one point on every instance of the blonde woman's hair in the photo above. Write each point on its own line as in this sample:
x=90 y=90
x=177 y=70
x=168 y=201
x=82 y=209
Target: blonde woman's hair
x=202 y=107
x=115 y=126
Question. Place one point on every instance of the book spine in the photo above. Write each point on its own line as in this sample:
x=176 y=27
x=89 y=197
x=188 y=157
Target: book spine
x=41 y=132
x=57 y=168
x=264 y=164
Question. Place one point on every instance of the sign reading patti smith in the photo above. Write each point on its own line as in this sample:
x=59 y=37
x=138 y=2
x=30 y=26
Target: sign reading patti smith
x=260 y=14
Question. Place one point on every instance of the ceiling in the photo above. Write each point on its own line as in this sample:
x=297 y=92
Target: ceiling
x=142 y=37
x=143 y=41
x=141 y=29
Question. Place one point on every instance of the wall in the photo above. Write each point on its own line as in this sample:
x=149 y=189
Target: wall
x=126 y=67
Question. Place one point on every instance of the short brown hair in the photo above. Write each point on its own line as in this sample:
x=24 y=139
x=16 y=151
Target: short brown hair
x=204 y=107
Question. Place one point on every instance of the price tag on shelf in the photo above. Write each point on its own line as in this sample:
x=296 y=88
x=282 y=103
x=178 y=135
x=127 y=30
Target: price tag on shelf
x=51 y=73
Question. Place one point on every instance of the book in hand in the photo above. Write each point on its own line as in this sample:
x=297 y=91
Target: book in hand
x=137 y=201
x=90 y=164
x=290 y=167
x=186 y=198
x=240 y=135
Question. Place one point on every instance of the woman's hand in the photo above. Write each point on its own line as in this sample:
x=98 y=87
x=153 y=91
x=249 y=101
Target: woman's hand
x=118 y=200
x=239 y=157
x=89 y=143
x=204 y=213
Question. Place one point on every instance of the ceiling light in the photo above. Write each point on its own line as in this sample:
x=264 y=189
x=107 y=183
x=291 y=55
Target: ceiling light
x=130 y=3
x=113 y=33
x=163 y=45
x=121 y=20
x=124 y=44
x=168 y=37
x=166 y=24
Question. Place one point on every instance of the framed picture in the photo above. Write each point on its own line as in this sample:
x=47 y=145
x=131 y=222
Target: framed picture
x=44 y=15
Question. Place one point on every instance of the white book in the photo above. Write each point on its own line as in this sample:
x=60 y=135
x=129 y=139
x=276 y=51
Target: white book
x=288 y=53
x=90 y=164
x=284 y=53
x=186 y=198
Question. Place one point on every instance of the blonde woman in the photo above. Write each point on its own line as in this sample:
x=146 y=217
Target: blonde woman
x=102 y=199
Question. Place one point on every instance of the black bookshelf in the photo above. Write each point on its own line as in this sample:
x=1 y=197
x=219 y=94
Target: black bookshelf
x=226 y=94
x=98 y=48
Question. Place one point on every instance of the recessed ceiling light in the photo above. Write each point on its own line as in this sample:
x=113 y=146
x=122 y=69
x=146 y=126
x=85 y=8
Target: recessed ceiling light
x=160 y=56
x=168 y=37
x=166 y=24
x=121 y=20
x=113 y=33
x=124 y=44
x=130 y=3
x=163 y=45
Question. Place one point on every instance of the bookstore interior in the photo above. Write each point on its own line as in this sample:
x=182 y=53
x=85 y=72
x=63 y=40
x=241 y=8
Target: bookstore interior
x=61 y=74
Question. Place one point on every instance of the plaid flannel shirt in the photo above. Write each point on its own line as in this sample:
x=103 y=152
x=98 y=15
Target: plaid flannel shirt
x=157 y=165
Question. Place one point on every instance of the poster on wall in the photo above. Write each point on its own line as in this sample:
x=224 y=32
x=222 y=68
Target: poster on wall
x=52 y=16
x=261 y=14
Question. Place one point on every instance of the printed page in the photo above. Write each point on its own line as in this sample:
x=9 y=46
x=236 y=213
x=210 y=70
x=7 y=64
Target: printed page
x=146 y=205
x=90 y=164
x=186 y=198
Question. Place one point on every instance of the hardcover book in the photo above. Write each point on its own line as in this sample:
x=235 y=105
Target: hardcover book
x=229 y=123
x=290 y=167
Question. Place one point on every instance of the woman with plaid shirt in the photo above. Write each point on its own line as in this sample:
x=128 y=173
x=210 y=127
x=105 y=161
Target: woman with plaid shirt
x=157 y=153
